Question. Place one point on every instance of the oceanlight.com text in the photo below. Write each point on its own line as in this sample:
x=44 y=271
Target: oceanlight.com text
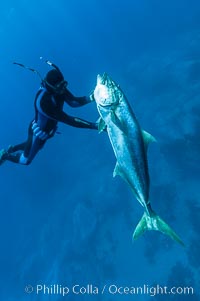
x=111 y=289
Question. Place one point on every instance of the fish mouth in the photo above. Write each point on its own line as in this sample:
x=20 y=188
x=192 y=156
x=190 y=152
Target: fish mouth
x=105 y=80
x=108 y=96
x=105 y=103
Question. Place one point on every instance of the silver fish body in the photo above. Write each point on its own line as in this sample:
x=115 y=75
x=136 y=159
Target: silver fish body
x=130 y=145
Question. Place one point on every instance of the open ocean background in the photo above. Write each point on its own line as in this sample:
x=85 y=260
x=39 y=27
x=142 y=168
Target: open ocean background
x=64 y=219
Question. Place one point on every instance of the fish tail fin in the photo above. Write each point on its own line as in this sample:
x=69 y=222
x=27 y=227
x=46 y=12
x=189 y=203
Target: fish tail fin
x=154 y=222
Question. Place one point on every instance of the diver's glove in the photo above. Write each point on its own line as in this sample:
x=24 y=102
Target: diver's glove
x=89 y=99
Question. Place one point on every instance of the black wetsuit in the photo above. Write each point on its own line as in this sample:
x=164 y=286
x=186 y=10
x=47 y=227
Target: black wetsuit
x=48 y=112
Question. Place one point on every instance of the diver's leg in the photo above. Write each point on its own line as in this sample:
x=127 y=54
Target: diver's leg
x=8 y=154
x=16 y=148
x=25 y=151
x=31 y=148
x=30 y=152
x=10 y=150
x=24 y=157
x=11 y=157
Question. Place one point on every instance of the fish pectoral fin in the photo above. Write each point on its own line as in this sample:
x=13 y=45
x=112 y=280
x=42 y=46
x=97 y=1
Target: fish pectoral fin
x=116 y=120
x=117 y=171
x=101 y=124
x=147 y=138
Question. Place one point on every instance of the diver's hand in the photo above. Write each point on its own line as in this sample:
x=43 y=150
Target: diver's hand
x=91 y=97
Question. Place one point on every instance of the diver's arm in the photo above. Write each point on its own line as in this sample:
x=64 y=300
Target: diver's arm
x=46 y=107
x=74 y=101
x=76 y=121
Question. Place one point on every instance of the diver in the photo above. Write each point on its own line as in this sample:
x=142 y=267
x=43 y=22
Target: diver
x=49 y=102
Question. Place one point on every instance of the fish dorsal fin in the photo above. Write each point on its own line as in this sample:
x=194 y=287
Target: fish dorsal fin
x=147 y=138
x=99 y=79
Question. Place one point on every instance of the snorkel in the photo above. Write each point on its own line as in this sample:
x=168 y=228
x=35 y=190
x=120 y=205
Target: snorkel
x=57 y=88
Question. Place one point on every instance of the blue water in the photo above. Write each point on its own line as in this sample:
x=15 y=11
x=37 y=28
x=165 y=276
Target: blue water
x=64 y=219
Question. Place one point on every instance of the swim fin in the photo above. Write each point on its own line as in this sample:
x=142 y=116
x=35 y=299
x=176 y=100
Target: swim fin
x=2 y=156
